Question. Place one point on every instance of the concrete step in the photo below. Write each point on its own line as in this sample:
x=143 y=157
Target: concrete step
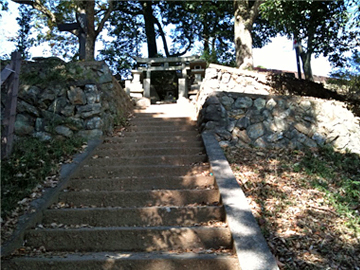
x=146 y=160
x=127 y=261
x=140 y=198
x=139 y=171
x=130 y=238
x=143 y=183
x=150 y=118
x=178 y=138
x=161 y=133
x=129 y=217
x=150 y=152
x=166 y=150
x=163 y=128
x=144 y=200
x=138 y=143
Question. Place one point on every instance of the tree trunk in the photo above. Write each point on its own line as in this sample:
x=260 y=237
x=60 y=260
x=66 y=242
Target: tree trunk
x=245 y=14
x=306 y=63
x=87 y=36
x=91 y=35
x=90 y=48
x=306 y=56
x=243 y=44
x=149 y=28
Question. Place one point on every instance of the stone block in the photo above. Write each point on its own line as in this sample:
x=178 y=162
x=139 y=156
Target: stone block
x=147 y=84
x=270 y=104
x=75 y=123
x=23 y=125
x=68 y=110
x=90 y=134
x=24 y=107
x=225 y=78
x=255 y=131
x=243 y=103
x=142 y=102
x=211 y=73
x=76 y=96
x=261 y=142
x=227 y=101
x=242 y=135
x=94 y=123
x=92 y=94
x=182 y=86
x=63 y=130
x=259 y=103
x=42 y=136
x=89 y=110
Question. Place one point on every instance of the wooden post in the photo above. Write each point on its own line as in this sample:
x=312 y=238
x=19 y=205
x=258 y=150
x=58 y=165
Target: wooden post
x=10 y=106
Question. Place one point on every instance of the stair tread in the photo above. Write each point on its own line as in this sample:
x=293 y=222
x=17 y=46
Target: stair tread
x=141 y=216
x=130 y=238
x=197 y=259
x=143 y=200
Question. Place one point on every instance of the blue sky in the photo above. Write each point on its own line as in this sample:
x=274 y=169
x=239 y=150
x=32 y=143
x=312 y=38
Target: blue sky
x=278 y=54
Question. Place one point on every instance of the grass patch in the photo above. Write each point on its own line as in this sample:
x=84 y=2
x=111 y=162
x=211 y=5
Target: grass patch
x=307 y=204
x=338 y=176
x=31 y=162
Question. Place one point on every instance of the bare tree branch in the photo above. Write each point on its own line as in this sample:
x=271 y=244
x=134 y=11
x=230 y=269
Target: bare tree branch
x=36 y=4
x=105 y=18
x=163 y=37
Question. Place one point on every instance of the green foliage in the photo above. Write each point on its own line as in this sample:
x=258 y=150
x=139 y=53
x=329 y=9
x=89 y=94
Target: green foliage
x=65 y=44
x=209 y=22
x=126 y=30
x=51 y=71
x=24 y=41
x=338 y=175
x=3 y=5
x=348 y=77
x=31 y=162
x=320 y=27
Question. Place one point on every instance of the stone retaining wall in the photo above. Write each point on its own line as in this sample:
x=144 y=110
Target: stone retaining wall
x=58 y=99
x=233 y=105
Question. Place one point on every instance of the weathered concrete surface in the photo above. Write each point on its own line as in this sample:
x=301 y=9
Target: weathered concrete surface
x=139 y=171
x=136 y=206
x=143 y=216
x=130 y=238
x=129 y=261
x=251 y=247
x=139 y=198
x=146 y=183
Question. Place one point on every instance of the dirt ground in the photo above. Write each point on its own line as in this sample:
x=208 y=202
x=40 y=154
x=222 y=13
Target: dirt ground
x=301 y=225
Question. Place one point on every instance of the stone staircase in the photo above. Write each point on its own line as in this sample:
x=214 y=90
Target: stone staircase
x=145 y=199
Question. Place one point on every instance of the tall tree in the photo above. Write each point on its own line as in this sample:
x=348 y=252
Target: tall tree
x=127 y=38
x=57 y=12
x=245 y=13
x=209 y=22
x=149 y=19
x=23 y=39
x=318 y=26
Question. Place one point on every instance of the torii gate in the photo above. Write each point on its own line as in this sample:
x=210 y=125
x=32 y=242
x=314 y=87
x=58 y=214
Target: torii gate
x=183 y=64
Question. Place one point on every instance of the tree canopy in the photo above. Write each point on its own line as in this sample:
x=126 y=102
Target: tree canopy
x=226 y=30
x=320 y=27
x=85 y=16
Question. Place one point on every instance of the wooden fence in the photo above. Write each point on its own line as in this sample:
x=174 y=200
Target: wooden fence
x=10 y=81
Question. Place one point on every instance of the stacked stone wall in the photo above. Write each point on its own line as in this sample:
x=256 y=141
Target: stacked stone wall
x=245 y=114
x=62 y=100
